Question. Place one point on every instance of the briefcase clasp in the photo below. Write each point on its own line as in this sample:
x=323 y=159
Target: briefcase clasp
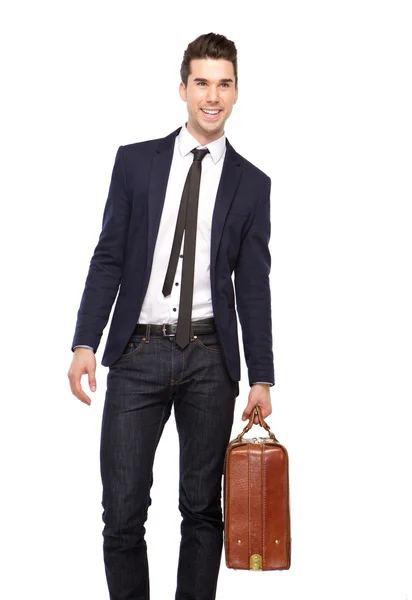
x=255 y=562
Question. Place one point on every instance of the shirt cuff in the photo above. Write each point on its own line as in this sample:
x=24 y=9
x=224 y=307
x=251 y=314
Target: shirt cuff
x=268 y=382
x=82 y=346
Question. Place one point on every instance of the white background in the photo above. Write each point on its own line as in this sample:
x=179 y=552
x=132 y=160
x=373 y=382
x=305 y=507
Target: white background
x=325 y=109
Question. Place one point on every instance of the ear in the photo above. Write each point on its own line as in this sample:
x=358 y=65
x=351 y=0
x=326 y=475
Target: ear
x=182 y=91
x=236 y=94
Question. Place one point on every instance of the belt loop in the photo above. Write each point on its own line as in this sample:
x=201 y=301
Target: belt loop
x=148 y=332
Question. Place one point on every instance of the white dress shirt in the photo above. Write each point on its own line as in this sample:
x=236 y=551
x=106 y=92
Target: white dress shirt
x=159 y=309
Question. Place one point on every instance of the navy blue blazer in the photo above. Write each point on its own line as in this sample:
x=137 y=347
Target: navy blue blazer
x=239 y=245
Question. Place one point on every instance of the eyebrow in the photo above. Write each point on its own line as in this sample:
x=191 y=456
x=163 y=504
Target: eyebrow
x=220 y=80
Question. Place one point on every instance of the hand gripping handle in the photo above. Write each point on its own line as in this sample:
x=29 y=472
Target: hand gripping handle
x=256 y=412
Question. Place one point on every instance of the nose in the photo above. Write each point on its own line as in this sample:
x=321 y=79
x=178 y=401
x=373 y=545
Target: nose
x=213 y=95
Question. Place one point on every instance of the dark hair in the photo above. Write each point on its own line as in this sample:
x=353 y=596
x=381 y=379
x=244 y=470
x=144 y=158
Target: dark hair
x=209 y=45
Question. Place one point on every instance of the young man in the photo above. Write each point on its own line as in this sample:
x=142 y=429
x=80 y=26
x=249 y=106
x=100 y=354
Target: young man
x=183 y=213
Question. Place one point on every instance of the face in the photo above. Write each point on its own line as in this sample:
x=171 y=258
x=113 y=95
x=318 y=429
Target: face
x=210 y=95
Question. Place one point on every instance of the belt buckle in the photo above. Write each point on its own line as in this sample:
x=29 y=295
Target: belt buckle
x=164 y=331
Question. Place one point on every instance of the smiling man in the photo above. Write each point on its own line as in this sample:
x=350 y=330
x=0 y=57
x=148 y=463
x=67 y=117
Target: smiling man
x=183 y=215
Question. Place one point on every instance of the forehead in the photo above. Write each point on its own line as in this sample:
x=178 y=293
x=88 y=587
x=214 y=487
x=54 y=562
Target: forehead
x=211 y=69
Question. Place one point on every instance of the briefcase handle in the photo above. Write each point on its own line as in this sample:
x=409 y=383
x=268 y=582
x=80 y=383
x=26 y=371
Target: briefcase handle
x=256 y=412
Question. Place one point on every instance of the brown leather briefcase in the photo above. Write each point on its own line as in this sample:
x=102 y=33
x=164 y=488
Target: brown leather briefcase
x=256 y=502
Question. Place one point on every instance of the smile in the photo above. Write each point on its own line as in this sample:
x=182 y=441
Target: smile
x=210 y=114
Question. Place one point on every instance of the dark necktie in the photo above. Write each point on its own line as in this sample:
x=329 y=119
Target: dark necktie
x=186 y=221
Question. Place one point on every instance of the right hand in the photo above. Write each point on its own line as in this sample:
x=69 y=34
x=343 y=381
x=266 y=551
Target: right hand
x=83 y=363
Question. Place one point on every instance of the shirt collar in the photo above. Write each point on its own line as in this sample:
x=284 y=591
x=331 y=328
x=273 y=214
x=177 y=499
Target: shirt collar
x=187 y=142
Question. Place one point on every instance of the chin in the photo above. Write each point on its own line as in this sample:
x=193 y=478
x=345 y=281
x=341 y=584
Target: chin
x=212 y=126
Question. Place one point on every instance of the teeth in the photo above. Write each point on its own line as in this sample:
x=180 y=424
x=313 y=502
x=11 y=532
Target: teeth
x=210 y=112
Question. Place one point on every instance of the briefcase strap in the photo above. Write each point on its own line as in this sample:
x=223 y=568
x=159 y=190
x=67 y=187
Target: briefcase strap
x=256 y=412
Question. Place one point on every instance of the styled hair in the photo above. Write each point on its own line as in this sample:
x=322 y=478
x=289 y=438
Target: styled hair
x=209 y=45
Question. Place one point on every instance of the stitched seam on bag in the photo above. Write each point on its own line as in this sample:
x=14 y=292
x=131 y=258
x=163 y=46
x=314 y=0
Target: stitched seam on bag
x=226 y=502
x=263 y=468
x=287 y=516
x=229 y=488
x=248 y=507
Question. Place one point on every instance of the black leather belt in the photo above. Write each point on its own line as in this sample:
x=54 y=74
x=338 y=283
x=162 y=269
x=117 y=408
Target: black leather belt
x=168 y=329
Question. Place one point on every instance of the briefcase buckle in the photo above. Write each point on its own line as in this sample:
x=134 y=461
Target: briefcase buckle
x=255 y=562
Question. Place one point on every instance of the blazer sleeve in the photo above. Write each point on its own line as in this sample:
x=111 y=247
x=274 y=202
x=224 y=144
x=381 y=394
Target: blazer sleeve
x=253 y=297
x=105 y=270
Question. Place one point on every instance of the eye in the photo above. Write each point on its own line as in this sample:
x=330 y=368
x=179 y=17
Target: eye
x=201 y=83
x=226 y=84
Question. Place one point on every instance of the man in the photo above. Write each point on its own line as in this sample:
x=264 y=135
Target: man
x=183 y=213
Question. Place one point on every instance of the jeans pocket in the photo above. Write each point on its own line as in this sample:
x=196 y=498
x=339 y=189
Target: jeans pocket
x=208 y=341
x=133 y=346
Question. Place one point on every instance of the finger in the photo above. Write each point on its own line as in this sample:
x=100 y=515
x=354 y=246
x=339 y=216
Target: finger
x=81 y=395
x=92 y=381
x=245 y=414
x=264 y=412
x=247 y=411
x=77 y=389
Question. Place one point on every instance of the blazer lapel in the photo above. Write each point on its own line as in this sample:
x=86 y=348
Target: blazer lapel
x=159 y=176
x=229 y=182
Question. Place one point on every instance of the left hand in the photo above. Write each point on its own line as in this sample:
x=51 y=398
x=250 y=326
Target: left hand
x=259 y=395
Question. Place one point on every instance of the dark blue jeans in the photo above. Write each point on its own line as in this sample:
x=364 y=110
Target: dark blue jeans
x=142 y=385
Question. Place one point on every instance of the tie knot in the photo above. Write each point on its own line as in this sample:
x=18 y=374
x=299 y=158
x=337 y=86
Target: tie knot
x=200 y=153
